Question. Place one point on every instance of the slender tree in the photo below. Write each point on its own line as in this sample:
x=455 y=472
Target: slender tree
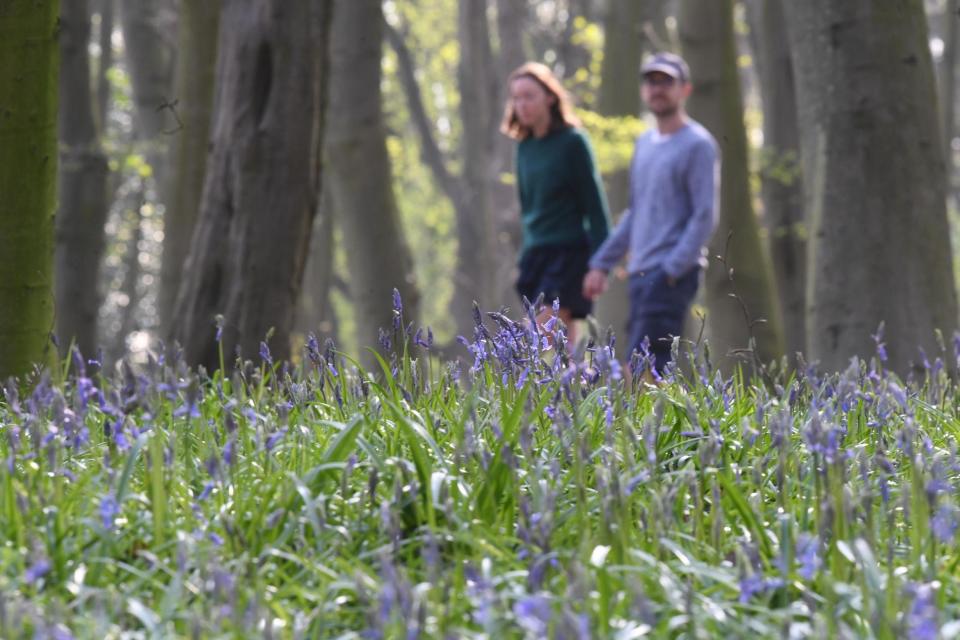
x=82 y=188
x=478 y=85
x=28 y=170
x=948 y=72
x=150 y=55
x=620 y=96
x=198 y=24
x=469 y=190
x=248 y=252
x=875 y=189
x=707 y=37
x=359 y=175
x=780 y=175
x=105 y=9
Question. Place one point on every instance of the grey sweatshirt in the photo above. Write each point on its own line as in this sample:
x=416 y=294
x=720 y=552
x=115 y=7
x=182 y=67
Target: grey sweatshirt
x=673 y=210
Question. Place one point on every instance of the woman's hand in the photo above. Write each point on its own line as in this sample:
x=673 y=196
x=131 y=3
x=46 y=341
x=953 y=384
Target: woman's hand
x=594 y=283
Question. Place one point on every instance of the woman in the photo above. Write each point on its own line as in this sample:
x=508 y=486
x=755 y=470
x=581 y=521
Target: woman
x=563 y=209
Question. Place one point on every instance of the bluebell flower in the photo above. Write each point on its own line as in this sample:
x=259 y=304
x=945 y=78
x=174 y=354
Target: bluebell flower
x=37 y=570
x=533 y=614
x=273 y=439
x=808 y=555
x=880 y=344
x=265 y=353
x=755 y=584
x=944 y=523
x=207 y=490
x=922 y=618
x=109 y=510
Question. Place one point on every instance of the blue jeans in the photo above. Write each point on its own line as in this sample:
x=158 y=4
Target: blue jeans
x=657 y=310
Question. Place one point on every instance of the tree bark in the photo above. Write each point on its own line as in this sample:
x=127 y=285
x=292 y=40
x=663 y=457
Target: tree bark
x=781 y=183
x=248 y=252
x=948 y=83
x=707 y=37
x=28 y=170
x=199 y=23
x=314 y=308
x=360 y=179
x=619 y=96
x=511 y=23
x=82 y=189
x=105 y=38
x=478 y=85
x=151 y=62
x=873 y=156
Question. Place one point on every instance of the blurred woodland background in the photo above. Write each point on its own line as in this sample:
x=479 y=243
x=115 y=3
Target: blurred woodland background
x=284 y=164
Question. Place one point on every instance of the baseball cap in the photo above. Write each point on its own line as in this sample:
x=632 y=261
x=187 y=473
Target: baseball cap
x=668 y=63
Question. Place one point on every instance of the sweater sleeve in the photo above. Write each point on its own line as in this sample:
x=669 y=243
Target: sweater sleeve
x=702 y=183
x=615 y=247
x=591 y=198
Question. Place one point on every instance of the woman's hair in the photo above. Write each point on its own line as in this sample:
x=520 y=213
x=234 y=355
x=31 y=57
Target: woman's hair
x=561 y=112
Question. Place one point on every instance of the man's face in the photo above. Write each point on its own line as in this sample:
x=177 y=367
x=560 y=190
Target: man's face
x=663 y=94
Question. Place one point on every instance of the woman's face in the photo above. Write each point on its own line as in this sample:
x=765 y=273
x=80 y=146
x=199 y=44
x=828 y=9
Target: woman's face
x=531 y=102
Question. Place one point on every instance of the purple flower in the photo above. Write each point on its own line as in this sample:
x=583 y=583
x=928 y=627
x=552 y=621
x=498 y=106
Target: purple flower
x=109 y=510
x=207 y=490
x=944 y=523
x=533 y=614
x=265 y=353
x=273 y=439
x=881 y=345
x=397 y=309
x=755 y=584
x=37 y=570
x=808 y=555
x=219 y=322
x=923 y=614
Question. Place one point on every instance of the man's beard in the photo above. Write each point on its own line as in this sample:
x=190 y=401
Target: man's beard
x=666 y=112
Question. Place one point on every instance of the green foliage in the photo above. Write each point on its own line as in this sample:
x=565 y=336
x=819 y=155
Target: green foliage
x=528 y=494
x=613 y=138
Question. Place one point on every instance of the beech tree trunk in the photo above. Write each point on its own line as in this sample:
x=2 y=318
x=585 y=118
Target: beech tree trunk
x=248 y=252
x=707 y=37
x=875 y=182
x=359 y=176
x=82 y=194
x=28 y=173
x=620 y=96
x=199 y=23
x=781 y=180
x=478 y=86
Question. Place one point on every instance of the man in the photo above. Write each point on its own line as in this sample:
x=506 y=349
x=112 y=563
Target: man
x=671 y=215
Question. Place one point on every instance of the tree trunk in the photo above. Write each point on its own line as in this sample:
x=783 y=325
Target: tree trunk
x=248 y=252
x=873 y=156
x=360 y=179
x=199 y=22
x=28 y=171
x=511 y=22
x=478 y=85
x=315 y=312
x=82 y=189
x=948 y=84
x=105 y=38
x=706 y=33
x=150 y=59
x=131 y=274
x=780 y=165
x=619 y=96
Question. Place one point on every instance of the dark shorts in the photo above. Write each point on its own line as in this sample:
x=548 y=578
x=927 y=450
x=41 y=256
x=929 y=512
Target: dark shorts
x=557 y=272
x=657 y=310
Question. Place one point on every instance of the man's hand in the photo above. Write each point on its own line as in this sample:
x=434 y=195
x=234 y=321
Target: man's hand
x=594 y=283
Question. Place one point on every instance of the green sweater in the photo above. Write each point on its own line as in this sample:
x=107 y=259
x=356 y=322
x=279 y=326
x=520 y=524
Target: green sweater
x=561 y=197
